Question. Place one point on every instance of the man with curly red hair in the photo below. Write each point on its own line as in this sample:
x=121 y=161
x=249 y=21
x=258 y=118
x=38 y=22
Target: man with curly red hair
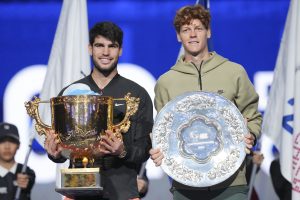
x=201 y=70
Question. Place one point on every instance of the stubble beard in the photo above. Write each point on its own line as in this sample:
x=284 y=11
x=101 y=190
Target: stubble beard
x=106 y=72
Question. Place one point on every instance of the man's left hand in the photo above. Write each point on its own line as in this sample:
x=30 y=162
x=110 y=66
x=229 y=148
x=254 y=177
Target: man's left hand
x=249 y=140
x=111 y=144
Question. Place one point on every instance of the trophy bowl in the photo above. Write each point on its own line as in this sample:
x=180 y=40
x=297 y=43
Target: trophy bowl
x=80 y=120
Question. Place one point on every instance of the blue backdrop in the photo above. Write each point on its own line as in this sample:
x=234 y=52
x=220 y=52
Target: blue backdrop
x=245 y=31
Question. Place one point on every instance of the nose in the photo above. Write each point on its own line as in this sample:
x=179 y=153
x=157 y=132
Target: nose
x=106 y=51
x=193 y=33
x=6 y=144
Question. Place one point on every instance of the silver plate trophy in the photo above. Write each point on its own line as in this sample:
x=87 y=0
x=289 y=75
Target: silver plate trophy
x=201 y=136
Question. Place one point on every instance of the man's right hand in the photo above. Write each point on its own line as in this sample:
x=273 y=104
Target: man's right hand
x=157 y=156
x=52 y=144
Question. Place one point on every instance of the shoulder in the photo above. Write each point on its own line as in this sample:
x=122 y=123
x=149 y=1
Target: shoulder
x=233 y=68
x=79 y=84
x=232 y=65
x=167 y=77
x=132 y=86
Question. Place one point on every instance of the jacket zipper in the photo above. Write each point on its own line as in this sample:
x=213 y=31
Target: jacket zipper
x=199 y=74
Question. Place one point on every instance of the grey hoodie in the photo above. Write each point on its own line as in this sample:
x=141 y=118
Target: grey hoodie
x=219 y=75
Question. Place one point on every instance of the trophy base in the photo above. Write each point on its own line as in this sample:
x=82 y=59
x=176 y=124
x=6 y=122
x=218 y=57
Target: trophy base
x=76 y=182
x=79 y=192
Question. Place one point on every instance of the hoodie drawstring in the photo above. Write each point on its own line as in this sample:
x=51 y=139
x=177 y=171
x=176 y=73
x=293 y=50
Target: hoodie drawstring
x=199 y=74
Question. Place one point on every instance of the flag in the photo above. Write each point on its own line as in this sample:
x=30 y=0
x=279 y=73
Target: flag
x=262 y=180
x=69 y=59
x=282 y=116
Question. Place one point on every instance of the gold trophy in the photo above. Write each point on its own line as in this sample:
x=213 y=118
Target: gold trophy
x=80 y=121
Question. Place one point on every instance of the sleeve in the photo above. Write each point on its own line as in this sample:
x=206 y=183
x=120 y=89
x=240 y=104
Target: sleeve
x=247 y=102
x=137 y=140
x=161 y=96
x=31 y=175
x=57 y=160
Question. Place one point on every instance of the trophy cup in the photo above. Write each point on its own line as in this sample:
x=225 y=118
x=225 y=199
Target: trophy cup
x=80 y=121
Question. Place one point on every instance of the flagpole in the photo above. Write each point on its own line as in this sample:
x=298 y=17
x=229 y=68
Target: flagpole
x=252 y=179
x=18 y=192
x=142 y=170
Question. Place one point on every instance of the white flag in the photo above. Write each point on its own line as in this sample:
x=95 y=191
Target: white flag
x=282 y=117
x=69 y=59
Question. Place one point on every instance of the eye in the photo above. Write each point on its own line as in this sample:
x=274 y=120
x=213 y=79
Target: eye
x=98 y=45
x=114 y=46
x=184 y=30
x=199 y=28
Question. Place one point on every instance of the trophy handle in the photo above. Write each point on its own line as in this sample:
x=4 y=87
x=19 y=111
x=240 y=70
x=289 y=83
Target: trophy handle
x=32 y=108
x=132 y=104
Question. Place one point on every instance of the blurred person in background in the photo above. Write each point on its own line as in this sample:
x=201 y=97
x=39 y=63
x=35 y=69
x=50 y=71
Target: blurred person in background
x=10 y=171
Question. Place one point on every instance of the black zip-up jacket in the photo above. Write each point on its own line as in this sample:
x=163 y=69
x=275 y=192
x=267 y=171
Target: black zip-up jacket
x=119 y=174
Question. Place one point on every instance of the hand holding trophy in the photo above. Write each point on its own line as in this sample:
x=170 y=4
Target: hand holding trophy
x=52 y=144
x=82 y=129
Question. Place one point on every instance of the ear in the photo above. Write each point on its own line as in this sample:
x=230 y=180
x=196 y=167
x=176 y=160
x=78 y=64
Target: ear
x=208 y=33
x=178 y=37
x=90 y=50
x=120 y=51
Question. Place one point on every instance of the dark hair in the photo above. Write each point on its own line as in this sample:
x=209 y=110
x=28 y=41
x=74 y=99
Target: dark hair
x=187 y=13
x=108 y=30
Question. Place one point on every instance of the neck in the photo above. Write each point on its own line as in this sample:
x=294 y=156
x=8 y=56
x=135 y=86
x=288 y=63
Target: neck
x=7 y=164
x=101 y=80
x=197 y=59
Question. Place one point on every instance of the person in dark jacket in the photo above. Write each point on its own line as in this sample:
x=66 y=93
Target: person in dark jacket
x=118 y=160
x=10 y=171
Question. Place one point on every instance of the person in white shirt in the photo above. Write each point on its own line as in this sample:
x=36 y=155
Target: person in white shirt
x=10 y=171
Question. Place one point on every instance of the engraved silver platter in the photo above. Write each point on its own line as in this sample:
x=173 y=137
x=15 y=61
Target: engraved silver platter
x=201 y=135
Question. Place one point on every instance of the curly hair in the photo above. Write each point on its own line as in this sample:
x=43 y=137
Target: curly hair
x=108 y=30
x=187 y=13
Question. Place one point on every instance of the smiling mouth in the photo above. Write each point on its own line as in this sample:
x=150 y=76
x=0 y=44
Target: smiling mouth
x=193 y=42
x=105 y=60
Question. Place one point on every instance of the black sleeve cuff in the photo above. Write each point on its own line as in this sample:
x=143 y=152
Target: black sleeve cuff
x=57 y=160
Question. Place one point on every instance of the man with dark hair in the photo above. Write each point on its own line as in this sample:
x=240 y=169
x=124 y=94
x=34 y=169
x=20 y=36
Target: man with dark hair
x=201 y=70
x=10 y=171
x=119 y=160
